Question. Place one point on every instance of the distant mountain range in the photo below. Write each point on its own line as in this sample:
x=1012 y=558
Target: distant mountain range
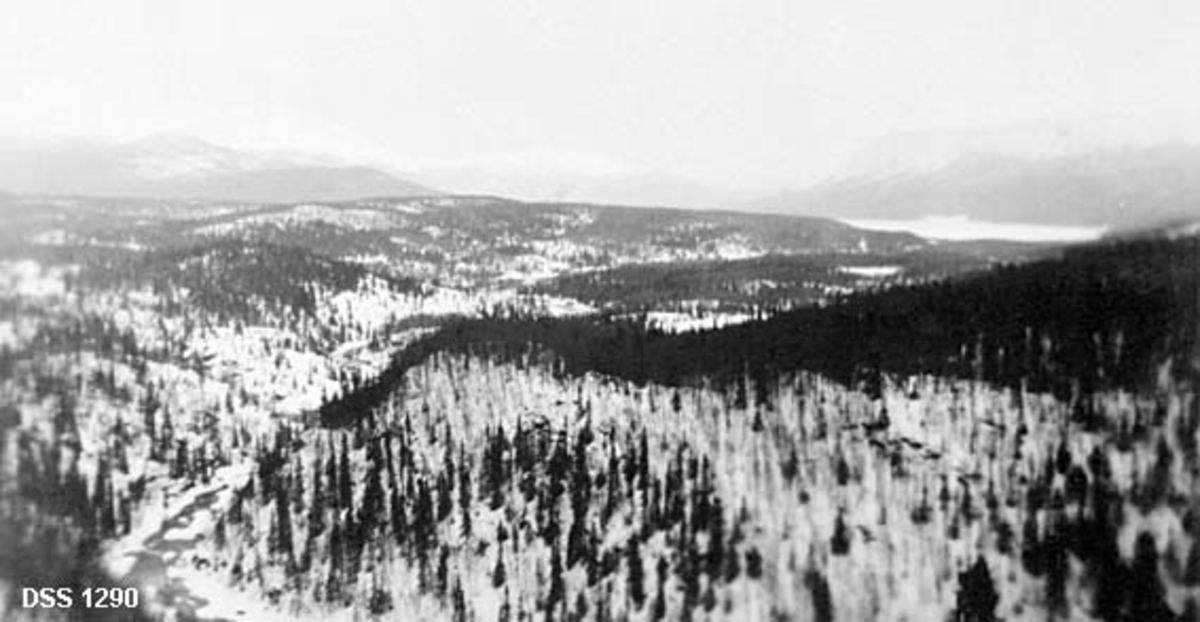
x=1039 y=174
x=580 y=183
x=185 y=167
x=173 y=166
x=1036 y=174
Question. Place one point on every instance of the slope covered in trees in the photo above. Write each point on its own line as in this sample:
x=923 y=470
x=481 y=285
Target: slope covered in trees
x=1019 y=444
x=229 y=277
x=769 y=282
x=1108 y=316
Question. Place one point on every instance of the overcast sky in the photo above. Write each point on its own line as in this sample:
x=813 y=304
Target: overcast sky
x=750 y=92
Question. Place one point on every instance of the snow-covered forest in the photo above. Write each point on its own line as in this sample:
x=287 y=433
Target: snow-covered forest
x=478 y=410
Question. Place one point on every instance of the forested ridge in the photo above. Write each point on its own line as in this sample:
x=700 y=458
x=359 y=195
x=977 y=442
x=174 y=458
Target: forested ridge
x=774 y=282
x=227 y=277
x=250 y=430
x=1099 y=317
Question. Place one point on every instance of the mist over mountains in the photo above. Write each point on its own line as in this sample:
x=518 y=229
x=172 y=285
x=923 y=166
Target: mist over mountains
x=168 y=166
x=580 y=183
x=457 y=407
x=1042 y=173
x=176 y=166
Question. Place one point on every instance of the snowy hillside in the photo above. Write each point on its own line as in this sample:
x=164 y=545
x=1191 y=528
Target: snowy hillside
x=467 y=408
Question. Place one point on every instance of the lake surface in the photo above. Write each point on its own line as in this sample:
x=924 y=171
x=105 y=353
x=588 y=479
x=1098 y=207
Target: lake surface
x=963 y=228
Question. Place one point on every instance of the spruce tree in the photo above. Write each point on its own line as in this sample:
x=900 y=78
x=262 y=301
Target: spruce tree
x=754 y=563
x=283 y=518
x=822 y=599
x=499 y=573
x=464 y=496
x=977 y=598
x=659 y=607
x=1147 y=594
x=345 y=484
x=840 y=544
x=636 y=574
x=558 y=589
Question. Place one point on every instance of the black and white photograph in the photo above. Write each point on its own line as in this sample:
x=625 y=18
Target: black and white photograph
x=619 y=311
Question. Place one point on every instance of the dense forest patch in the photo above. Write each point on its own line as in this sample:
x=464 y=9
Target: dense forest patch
x=1099 y=317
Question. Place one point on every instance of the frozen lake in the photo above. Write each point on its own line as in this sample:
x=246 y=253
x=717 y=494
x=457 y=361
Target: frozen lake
x=963 y=228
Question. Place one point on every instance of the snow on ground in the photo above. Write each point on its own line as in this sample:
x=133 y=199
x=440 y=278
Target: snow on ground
x=947 y=433
x=59 y=237
x=1183 y=231
x=735 y=248
x=873 y=272
x=8 y=335
x=27 y=279
x=964 y=228
x=289 y=381
x=355 y=219
x=562 y=250
x=121 y=556
x=360 y=258
x=54 y=237
x=557 y=306
x=673 y=322
x=529 y=269
x=373 y=305
x=203 y=211
x=161 y=554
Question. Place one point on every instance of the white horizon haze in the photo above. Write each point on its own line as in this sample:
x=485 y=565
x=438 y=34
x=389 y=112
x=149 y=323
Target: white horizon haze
x=768 y=94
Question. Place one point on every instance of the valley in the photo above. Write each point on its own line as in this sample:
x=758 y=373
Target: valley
x=473 y=408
